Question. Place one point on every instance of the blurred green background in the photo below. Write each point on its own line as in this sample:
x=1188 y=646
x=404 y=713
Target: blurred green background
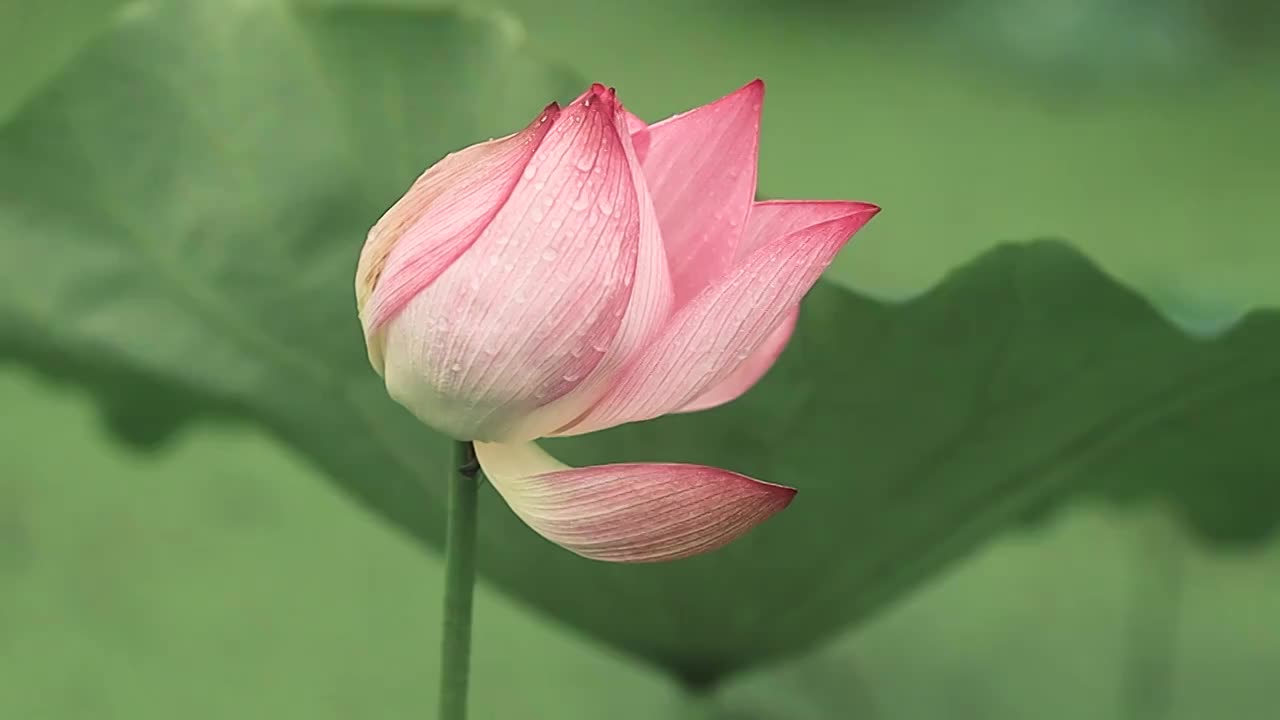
x=160 y=556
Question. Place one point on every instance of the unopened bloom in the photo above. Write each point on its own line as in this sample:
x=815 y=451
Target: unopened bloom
x=588 y=271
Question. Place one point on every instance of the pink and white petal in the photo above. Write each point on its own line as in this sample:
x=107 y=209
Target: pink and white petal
x=701 y=171
x=750 y=371
x=440 y=216
x=528 y=312
x=723 y=326
x=647 y=312
x=630 y=512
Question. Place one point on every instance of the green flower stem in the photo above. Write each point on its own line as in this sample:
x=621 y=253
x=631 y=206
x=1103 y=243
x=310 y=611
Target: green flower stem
x=459 y=582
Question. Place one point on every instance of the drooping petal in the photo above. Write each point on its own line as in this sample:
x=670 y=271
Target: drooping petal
x=749 y=371
x=722 y=326
x=631 y=512
x=525 y=314
x=440 y=216
x=701 y=171
x=769 y=220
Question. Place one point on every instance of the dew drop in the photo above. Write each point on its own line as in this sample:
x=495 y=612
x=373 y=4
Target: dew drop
x=580 y=204
x=493 y=260
x=599 y=346
x=606 y=207
x=539 y=185
x=456 y=367
x=549 y=254
x=584 y=163
x=508 y=267
x=556 y=223
x=572 y=377
x=536 y=214
x=549 y=201
x=530 y=172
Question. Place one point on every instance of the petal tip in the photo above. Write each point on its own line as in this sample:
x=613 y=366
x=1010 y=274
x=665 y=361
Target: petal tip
x=779 y=496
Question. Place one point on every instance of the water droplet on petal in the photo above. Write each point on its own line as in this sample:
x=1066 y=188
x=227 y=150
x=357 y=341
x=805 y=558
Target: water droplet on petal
x=456 y=367
x=530 y=172
x=606 y=207
x=536 y=214
x=549 y=254
x=580 y=204
x=585 y=163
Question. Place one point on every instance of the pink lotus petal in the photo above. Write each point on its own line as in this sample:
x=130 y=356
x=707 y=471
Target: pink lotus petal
x=772 y=219
x=701 y=171
x=715 y=332
x=437 y=220
x=769 y=220
x=639 y=131
x=648 y=310
x=522 y=317
x=634 y=512
x=750 y=371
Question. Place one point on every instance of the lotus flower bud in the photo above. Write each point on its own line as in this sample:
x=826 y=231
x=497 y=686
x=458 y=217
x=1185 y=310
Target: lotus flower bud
x=587 y=271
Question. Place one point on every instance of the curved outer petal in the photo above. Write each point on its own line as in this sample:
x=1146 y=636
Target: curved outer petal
x=701 y=171
x=720 y=328
x=440 y=216
x=768 y=220
x=527 y=312
x=749 y=371
x=635 y=512
x=647 y=312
